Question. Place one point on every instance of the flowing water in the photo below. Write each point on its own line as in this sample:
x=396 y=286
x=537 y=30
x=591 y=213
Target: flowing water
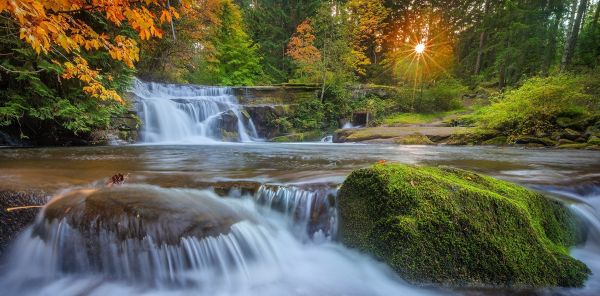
x=191 y=114
x=282 y=245
x=211 y=217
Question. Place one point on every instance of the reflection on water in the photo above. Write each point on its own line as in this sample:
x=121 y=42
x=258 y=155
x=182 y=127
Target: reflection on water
x=184 y=166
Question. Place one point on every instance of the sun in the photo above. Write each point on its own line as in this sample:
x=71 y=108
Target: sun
x=420 y=48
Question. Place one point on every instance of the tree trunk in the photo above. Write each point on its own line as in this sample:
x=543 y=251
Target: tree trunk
x=572 y=39
x=572 y=17
x=596 y=17
x=172 y=25
x=551 y=46
x=481 y=40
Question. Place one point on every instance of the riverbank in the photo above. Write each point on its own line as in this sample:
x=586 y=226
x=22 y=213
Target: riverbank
x=459 y=136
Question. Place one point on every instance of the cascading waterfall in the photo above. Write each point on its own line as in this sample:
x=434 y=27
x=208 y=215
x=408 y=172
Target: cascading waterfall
x=191 y=114
x=312 y=211
x=585 y=202
x=273 y=251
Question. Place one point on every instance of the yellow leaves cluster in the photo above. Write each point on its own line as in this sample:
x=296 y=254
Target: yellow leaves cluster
x=55 y=26
x=80 y=69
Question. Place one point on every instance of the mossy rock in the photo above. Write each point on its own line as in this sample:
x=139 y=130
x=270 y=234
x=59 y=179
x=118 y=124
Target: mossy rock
x=565 y=142
x=454 y=227
x=570 y=134
x=593 y=140
x=300 y=137
x=414 y=139
x=534 y=141
x=573 y=146
x=497 y=141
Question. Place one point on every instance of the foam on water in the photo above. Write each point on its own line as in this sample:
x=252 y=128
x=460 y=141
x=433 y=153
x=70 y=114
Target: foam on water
x=191 y=114
x=270 y=254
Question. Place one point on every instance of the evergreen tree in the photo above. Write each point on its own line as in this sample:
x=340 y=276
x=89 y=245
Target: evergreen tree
x=229 y=57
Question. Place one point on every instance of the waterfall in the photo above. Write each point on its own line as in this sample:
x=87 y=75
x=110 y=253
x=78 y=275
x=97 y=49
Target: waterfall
x=263 y=254
x=584 y=200
x=191 y=114
x=312 y=210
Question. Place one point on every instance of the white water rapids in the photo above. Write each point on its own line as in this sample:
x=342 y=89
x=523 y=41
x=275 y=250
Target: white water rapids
x=284 y=249
x=191 y=114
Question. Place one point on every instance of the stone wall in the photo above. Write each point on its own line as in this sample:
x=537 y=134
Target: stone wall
x=284 y=94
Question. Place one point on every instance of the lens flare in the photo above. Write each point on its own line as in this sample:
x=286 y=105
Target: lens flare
x=420 y=48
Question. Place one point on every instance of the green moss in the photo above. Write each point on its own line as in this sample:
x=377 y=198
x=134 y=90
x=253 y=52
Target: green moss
x=528 y=140
x=299 y=137
x=230 y=136
x=417 y=118
x=449 y=226
x=593 y=140
x=414 y=139
x=497 y=141
x=574 y=146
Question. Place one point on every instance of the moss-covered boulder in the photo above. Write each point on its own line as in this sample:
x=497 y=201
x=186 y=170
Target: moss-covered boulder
x=453 y=227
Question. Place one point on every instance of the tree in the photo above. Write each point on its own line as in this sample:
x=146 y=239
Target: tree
x=66 y=62
x=302 y=50
x=59 y=28
x=172 y=58
x=366 y=27
x=228 y=56
x=571 y=41
x=486 y=7
x=332 y=43
x=271 y=24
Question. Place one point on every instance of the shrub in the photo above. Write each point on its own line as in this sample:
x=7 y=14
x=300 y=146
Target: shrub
x=539 y=102
x=442 y=96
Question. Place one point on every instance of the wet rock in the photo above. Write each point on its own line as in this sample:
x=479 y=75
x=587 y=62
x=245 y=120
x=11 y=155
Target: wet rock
x=13 y=222
x=139 y=211
x=564 y=141
x=228 y=122
x=593 y=130
x=537 y=142
x=570 y=134
x=264 y=118
x=454 y=227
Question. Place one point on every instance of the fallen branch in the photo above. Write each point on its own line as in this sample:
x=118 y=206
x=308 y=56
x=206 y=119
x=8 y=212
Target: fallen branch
x=22 y=208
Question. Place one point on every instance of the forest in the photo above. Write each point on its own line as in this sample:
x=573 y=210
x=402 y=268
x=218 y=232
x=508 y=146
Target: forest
x=67 y=64
x=299 y=147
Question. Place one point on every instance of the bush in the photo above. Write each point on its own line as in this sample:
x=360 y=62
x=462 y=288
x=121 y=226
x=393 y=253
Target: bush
x=539 y=102
x=308 y=115
x=442 y=96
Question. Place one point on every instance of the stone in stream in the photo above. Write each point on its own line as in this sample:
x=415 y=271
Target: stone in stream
x=453 y=227
x=18 y=209
x=140 y=211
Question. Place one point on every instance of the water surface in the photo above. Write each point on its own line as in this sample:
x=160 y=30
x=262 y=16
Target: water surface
x=293 y=256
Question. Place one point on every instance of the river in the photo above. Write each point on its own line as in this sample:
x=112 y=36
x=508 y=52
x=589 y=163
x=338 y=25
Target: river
x=290 y=260
x=277 y=201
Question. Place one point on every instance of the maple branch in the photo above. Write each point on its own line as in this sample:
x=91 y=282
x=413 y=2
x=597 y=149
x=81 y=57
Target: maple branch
x=91 y=8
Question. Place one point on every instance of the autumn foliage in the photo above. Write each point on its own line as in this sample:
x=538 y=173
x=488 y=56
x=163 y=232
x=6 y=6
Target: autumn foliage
x=58 y=28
